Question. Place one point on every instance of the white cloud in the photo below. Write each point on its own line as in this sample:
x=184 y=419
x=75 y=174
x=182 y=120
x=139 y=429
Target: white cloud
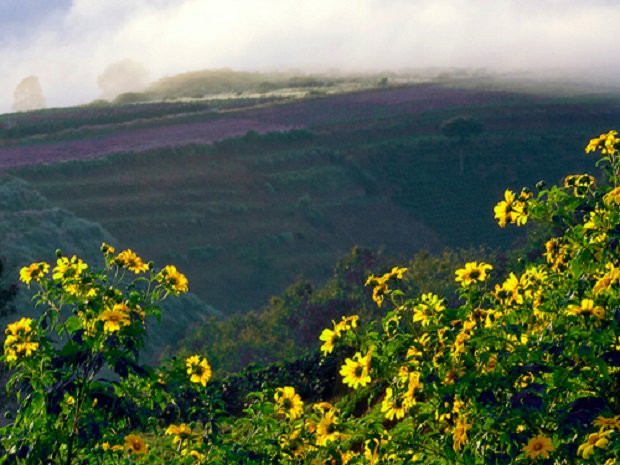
x=71 y=48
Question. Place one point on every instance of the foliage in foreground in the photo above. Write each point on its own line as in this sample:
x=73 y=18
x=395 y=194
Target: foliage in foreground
x=526 y=370
x=287 y=328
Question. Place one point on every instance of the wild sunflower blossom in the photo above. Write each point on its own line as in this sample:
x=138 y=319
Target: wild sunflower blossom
x=107 y=249
x=329 y=336
x=607 y=423
x=510 y=291
x=129 y=260
x=35 y=271
x=393 y=405
x=538 y=446
x=429 y=307
x=513 y=209
x=355 y=371
x=380 y=288
x=288 y=402
x=18 y=342
x=181 y=433
x=292 y=444
x=459 y=434
x=199 y=369
x=113 y=320
x=580 y=183
x=612 y=197
x=607 y=143
x=599 y=439
x=473 y=272
x=607 y=281
x=587 y=307
x=326 y=430
x=172 y=280
x=134 y=444
x=69 y=269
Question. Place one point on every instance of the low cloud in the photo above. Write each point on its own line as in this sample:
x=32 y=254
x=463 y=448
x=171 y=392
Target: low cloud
x=74 y=44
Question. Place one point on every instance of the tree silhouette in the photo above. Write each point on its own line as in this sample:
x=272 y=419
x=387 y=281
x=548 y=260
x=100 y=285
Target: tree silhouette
x=28 y=95
x=461 y=129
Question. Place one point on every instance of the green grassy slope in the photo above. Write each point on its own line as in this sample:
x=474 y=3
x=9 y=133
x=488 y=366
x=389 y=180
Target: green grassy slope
x=244 y=217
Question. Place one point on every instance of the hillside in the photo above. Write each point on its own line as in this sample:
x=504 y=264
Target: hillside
x=243 y=217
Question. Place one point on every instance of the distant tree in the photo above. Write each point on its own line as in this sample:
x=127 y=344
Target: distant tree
x=28 y=95
x=461 y=129
x=121 y=77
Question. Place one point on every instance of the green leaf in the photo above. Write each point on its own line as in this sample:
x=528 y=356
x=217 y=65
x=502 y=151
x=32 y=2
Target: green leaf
x=73 y=323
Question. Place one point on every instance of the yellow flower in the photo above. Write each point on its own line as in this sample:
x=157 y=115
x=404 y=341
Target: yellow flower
x=35 y=271
x=510 y=291
x=427 y=309
x=81 y=289
x=18 y=349
x=538 y=446
x=200 y=457
x=129 y=260
x=373 y=453
x=511 y=209
x=292 y=444
x=606 y=281
x=393 y=406
x=412 y=385
x=459 y=435
x=68 y=268
x=288 y=402
x=181 y=432
x=134 y=444
x=380 y=283
x=329 y=337
x=199 y=370
x=580 y=183
x=19 y=328
x=326 y=429
x=18 y=341
x=113 y=320
x=557 y=253
x=172 y=280
x=594 y=440
x=348 y=322
x=472 y=272
x=587 y=306
x=107 y=249
x=355 y=371
x=606 y=142
x=612 y=197
x=607 y=423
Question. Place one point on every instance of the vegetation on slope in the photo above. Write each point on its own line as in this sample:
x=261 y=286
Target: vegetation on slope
x=242 y=216
x=521 y=371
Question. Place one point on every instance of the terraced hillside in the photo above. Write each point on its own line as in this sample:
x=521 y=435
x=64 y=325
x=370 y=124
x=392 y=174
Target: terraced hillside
x=245 y=216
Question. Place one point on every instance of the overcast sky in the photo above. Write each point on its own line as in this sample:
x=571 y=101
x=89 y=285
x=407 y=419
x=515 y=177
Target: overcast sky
x=68 y=43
